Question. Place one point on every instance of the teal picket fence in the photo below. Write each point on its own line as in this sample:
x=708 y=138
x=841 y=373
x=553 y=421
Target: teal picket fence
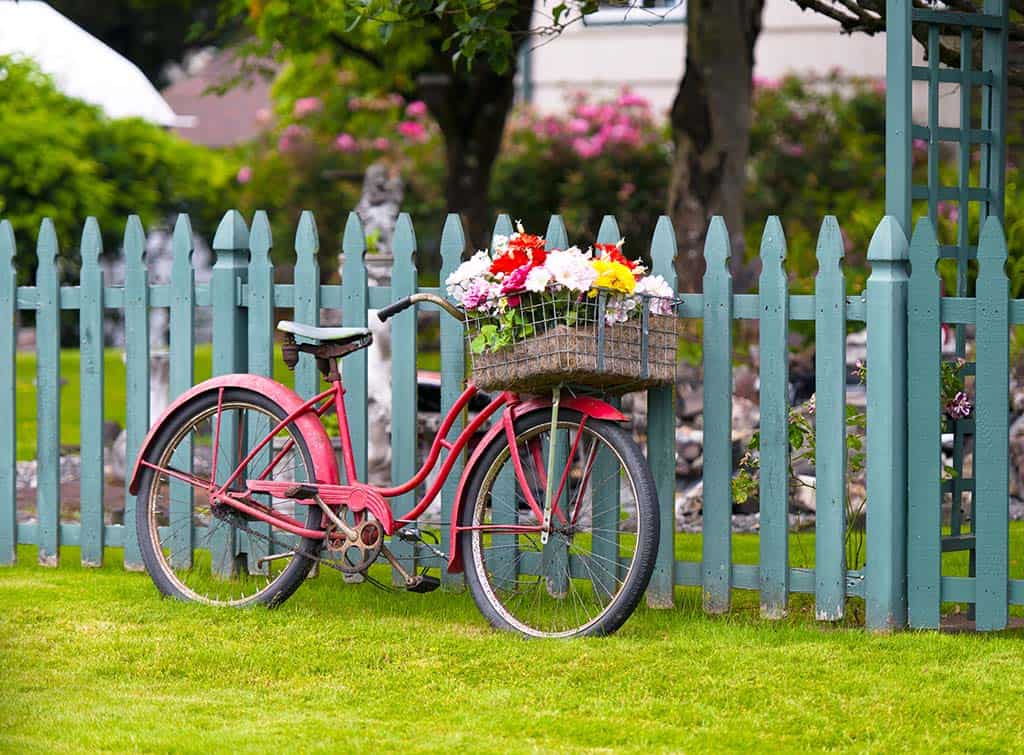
x=902 y=313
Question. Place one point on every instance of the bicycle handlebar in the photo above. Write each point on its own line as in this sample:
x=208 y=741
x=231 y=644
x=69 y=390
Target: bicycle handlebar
x=402 y=304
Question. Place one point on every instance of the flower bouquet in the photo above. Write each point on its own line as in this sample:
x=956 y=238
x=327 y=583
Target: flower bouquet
x=537 y=318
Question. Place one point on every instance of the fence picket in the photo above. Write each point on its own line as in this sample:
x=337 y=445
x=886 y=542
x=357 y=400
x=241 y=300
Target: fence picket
x=136 y=342
x=661 y=435
x=48 y=396
x=90 y=331
x=355 y=299
x=716 y=556
x=8 y=403
x=403 y=379
x=231 y=244
x=556 y=551
x=830 y=425
x=885 y=572
x=773 y=291
x=307 y=297
x=182 y=375
x=605 y=502
x=504 y=560
x=453 y=373
x=924 y=471
x=261 y=362
x=991 y=462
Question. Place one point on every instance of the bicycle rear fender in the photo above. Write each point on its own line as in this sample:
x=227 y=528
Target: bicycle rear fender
x=325 y=465
x=585 y=405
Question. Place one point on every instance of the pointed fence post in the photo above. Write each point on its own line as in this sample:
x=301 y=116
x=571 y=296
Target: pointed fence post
x=716 y=543
x=661 y=436
x=90 y=332
x=307 y=297
x=8 y=418
x=505 y=558
x=773 y=294
x=830 y=425
x=991 y=454
x=885 y=571
x=260 y=312
x=136 y=342
x=230 y=340
x=182 y=376
x=605 y=499
x=453 y=374
x=924 y=462
x=48 y=396
x=403 y=380
x=355 y=300
x=556 y=552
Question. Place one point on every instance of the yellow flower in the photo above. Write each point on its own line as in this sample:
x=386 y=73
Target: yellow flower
x=613 y=275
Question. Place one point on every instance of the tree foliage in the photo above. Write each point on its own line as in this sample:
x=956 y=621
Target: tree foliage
x=63 y=159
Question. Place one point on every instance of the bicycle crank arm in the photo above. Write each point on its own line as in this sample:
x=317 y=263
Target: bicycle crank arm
x=265 y=559
x=335 y=519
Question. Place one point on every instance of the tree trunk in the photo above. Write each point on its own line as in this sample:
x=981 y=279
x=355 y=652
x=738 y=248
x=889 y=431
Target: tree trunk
x=471 y=107
x=710 y=121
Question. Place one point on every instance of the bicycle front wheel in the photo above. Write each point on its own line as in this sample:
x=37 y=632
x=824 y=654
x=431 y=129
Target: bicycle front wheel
x=199 y=551
x=600 y=553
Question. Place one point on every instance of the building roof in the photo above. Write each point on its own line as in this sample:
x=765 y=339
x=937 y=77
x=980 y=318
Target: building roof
x=236 y=116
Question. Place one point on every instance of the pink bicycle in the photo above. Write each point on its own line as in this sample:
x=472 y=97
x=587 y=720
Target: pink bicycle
x=239 y=494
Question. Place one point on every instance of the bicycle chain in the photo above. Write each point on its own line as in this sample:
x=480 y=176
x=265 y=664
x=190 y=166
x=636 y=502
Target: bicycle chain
x=236 y=521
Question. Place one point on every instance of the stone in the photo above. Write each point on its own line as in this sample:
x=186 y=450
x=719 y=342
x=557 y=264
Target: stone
x=803 y=495
x=1017 y=457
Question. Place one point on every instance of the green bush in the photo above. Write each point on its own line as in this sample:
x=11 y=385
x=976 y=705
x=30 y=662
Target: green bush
x=63 y=159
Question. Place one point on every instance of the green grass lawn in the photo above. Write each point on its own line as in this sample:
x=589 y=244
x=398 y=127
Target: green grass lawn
x=95 y=660
x=114 y=390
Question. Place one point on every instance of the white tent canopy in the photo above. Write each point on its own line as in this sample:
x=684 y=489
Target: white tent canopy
x=81 y=65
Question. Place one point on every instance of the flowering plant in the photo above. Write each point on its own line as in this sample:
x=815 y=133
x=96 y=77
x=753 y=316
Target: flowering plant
x=496 y=285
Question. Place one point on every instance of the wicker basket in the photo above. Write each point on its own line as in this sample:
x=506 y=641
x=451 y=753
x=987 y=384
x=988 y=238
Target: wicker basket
x=615 y=358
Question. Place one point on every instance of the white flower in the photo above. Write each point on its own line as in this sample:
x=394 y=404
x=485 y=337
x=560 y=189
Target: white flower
x=618 y=309
x=656 y=287
x=537 y=280
x=499 y=244
x=571 y=269
x=472 y=269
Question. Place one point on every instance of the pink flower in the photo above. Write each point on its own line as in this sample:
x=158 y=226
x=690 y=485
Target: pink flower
x=476 y=294
x=416 y=109
x=412 y=130
x=587 y=111
x=395 y=99
x=346 y=143
x=356 y=103
x=290 y=137
x=626 y=190
x=959 y=407
x=516 y=280
x=381 y=143
x=263 y=115
x=760 y=82
x=950 y=211
x=578 y=126
x=587 y=148
x=244 y=174
x=793 y=150
x=631 y=99
x=306 y=105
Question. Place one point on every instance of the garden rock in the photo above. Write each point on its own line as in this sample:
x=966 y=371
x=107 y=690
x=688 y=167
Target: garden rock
x=1017 y=457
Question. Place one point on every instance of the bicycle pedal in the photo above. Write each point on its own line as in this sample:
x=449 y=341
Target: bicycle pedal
x=424 y=583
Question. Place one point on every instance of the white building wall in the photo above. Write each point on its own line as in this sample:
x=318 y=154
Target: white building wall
x=649 y=58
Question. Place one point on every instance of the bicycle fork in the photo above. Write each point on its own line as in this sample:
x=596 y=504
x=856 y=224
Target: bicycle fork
x=549 y=492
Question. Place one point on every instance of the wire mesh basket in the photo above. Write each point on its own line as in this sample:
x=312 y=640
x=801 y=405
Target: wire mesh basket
x=609 y=342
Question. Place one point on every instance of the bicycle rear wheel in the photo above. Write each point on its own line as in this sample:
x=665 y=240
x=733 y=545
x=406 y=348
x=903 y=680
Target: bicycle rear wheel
x=201 y=552
x=592 y=573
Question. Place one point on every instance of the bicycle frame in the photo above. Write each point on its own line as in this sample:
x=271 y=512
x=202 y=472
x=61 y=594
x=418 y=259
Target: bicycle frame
x=307 y=414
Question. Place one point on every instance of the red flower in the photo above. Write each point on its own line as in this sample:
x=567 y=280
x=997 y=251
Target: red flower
x=523 y=249
x=612 y=253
